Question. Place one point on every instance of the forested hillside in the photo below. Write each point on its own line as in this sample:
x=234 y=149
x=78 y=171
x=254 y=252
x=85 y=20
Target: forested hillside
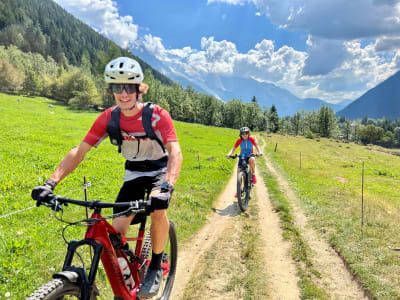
x=42 y=26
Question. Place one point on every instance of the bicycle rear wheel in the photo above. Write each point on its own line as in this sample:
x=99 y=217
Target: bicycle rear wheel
x=169 y=261
x=59 y=289
x=242 y=191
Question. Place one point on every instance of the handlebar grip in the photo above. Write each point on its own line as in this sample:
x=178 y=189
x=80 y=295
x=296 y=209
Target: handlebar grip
x=51 y=202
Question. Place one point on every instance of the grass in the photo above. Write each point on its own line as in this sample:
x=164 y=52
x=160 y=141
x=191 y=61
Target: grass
x=329 y=187
x=255 y=284
x=36 y=134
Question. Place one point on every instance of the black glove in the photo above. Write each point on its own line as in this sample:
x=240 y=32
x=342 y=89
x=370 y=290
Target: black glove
x=41 y=193
x=160 y=201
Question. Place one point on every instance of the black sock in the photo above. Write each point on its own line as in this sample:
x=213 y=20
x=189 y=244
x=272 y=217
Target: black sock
x=156 y=261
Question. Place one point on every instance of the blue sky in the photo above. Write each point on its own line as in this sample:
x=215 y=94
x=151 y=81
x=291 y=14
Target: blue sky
x=328 y=49
x=183 y=23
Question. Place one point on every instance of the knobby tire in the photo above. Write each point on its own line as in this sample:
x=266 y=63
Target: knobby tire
x=242 y=191
x=173 y=259
x=172 y=251
x=56 y=289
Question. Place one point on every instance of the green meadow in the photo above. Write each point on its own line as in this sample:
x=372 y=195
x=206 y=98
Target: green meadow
x=36 y=133
x=327 y=176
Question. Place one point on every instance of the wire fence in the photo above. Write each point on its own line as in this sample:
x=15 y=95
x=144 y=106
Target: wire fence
x=368 y=174
x=73 y=190
x=199 y=162
x=16 y=212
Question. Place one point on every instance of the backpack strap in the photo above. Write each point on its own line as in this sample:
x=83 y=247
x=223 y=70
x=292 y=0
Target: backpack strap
x=146 y=122
x=114 y=130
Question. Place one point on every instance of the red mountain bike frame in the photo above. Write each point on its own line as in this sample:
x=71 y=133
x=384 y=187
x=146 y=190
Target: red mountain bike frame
x=98 y=237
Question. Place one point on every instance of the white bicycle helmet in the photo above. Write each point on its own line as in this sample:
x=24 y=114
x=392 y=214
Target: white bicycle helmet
x=244 y=130
x=123 y=70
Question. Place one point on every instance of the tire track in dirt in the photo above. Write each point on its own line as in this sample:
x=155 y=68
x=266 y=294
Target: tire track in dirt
x=219 y=273
x=190 y=253
x=335 y=277
x=278 y=262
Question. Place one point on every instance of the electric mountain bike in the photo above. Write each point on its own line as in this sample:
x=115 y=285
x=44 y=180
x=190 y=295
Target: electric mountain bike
x=76 y=282
x=244 y=182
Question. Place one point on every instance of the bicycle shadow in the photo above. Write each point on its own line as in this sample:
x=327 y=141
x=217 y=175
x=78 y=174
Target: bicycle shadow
x=231 y=210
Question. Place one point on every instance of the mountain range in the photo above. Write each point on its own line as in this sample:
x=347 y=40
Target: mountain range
x=379 y=102
x=227 y=88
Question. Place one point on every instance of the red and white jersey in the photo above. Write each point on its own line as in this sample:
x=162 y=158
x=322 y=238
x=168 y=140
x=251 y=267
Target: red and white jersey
x=135 y=146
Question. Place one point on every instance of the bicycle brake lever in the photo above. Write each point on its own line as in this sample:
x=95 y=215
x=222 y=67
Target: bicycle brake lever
x=58 y=208
x=54 y=205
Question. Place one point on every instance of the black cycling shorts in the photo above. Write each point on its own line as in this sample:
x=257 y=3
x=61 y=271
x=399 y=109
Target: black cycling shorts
x=138 y=189
x=240 y=163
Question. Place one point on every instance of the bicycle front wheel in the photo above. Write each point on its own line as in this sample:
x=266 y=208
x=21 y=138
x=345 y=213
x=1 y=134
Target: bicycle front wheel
x=242 y=191
x=169 y=261
x=58 y=289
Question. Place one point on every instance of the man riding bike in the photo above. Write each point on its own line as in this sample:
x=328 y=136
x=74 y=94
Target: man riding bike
x=153 y=163
x=246 y=143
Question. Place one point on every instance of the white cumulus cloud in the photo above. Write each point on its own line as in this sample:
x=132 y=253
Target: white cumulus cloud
x=104 y=16
x=339 y=19
x=336 y=65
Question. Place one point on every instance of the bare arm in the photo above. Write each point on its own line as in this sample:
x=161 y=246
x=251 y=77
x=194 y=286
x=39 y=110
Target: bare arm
x=70 y=162
x=174 y=162
x=257 y=146
x=231 y=152
x=258 y=149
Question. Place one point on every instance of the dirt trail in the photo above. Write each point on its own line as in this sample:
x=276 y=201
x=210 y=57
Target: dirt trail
x=219 y=237
x=335 y=277
x=190 y=253
x=279 y=268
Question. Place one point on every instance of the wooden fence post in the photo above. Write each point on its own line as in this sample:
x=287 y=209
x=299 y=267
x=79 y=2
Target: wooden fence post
x=300 y=160
x=198 y=160
x=362 y=199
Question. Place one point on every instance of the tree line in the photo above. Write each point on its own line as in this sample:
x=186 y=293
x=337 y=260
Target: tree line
x=34 y=75
x=323 y=123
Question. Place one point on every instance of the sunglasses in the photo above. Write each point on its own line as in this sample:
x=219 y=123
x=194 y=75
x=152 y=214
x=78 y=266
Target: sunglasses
x=117 y=88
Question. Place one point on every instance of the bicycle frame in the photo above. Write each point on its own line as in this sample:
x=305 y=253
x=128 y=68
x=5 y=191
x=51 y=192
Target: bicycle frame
x=245 y=167
x=98 y=237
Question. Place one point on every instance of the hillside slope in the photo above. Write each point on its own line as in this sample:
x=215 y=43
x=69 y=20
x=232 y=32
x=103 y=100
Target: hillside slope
x=379 y=102
x=44 y=27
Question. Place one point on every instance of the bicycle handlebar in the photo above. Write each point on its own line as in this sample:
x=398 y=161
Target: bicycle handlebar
x=97 y=204
x=236 y=155
x=54 y=202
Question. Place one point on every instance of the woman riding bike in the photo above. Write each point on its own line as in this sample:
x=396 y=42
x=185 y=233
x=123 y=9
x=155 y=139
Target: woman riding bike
x=246 y=143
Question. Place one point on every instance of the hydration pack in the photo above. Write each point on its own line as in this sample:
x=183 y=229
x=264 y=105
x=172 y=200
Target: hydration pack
x=114 y=130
